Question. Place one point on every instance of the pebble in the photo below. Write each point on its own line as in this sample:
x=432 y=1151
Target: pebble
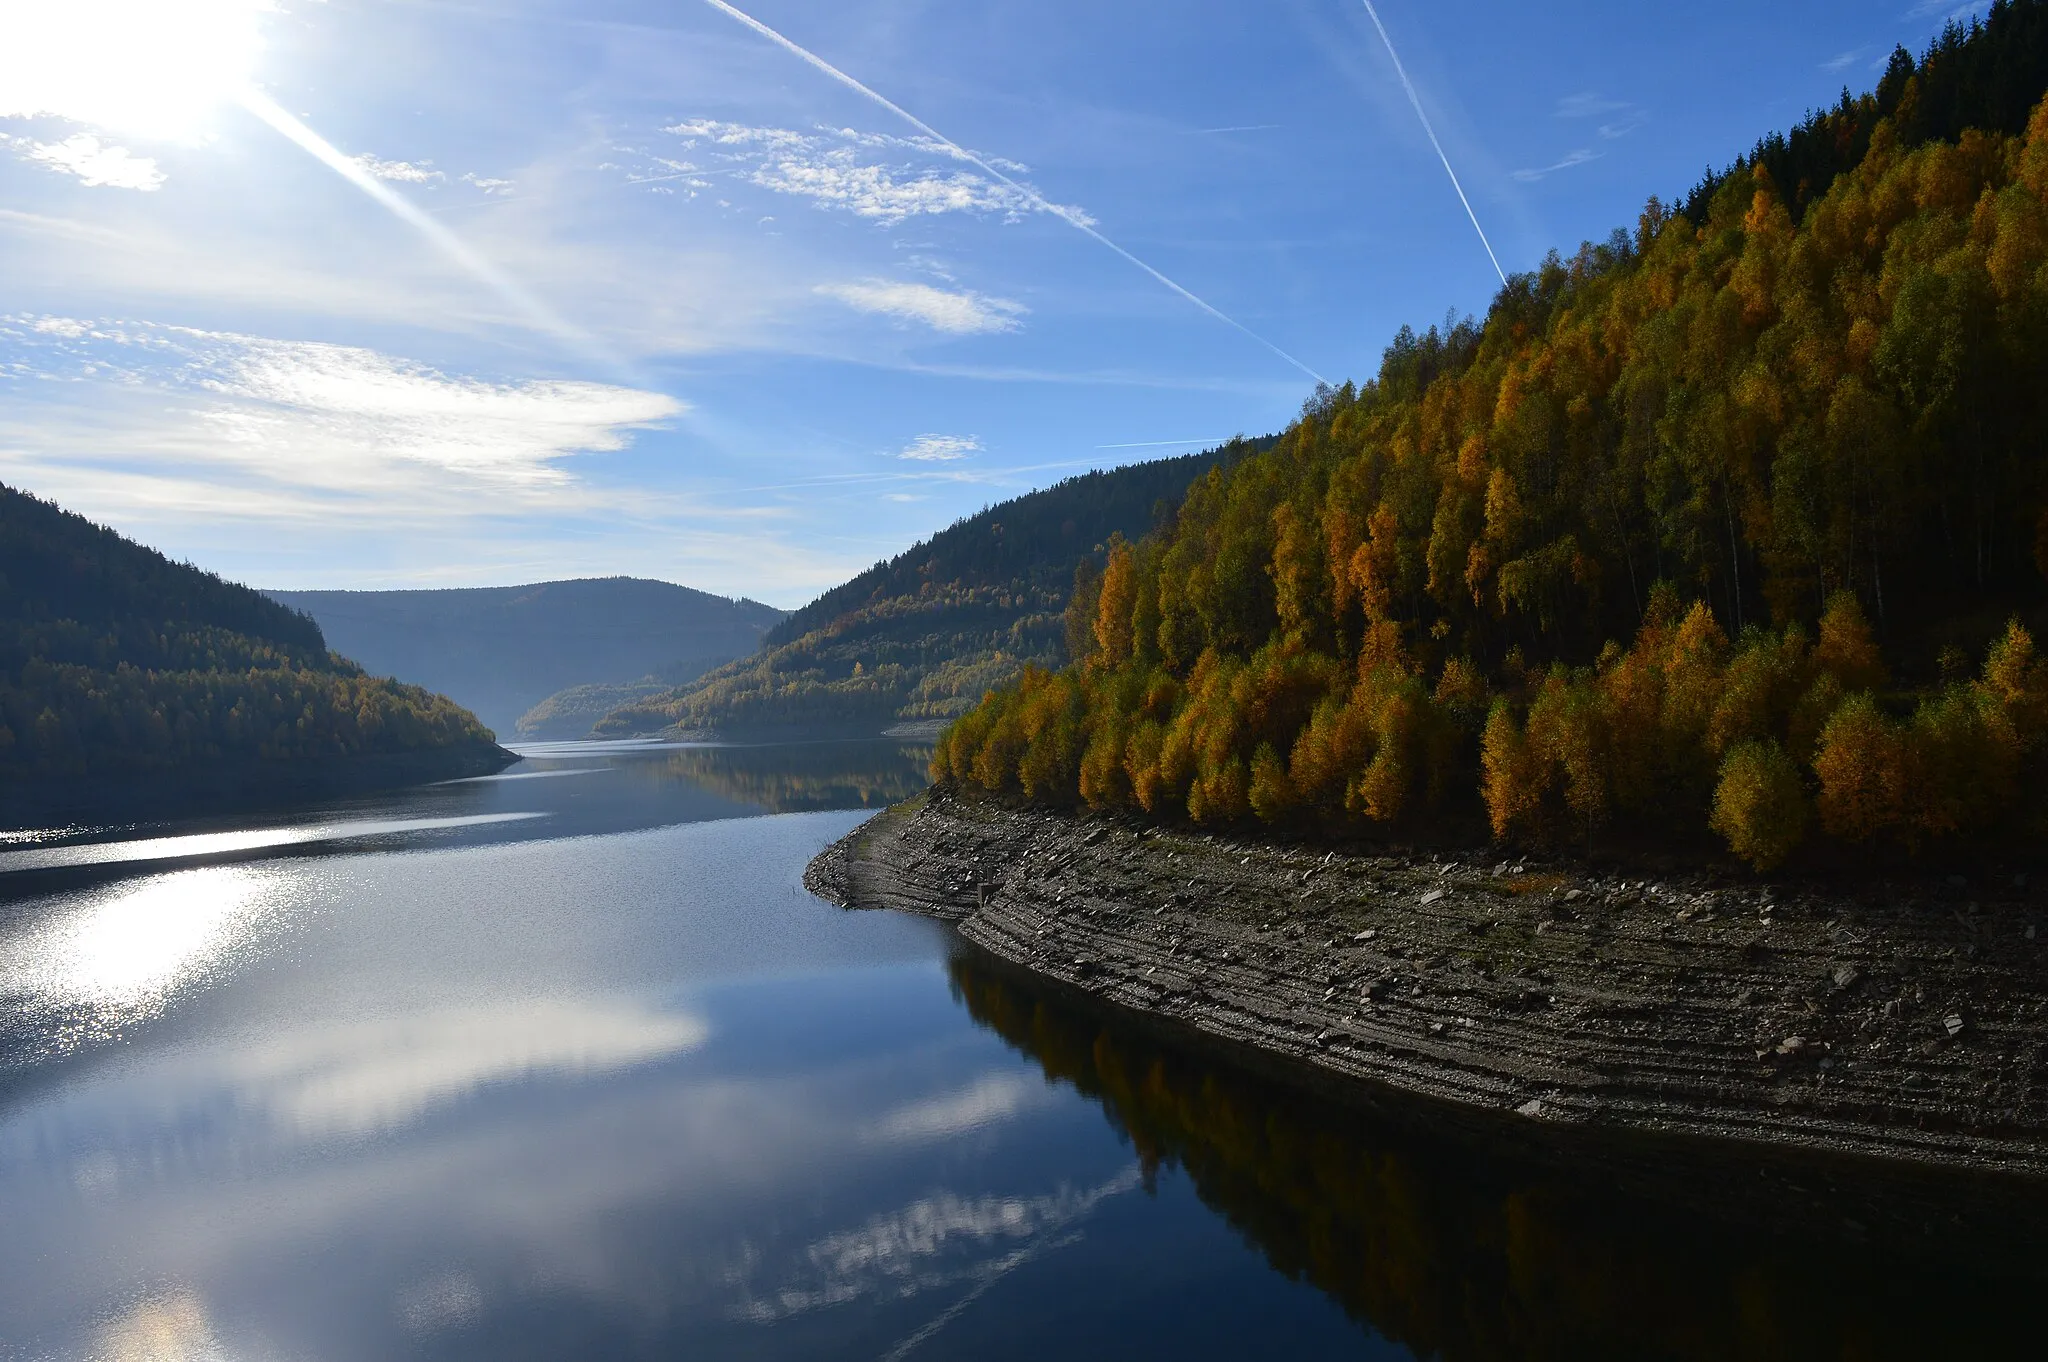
x=1432 y=896
x=1954 y=1024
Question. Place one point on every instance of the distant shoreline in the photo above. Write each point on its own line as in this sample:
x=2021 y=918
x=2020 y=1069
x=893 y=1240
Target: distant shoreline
x=229 y=787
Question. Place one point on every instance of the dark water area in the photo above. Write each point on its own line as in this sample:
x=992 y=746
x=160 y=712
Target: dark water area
x=565 y=1063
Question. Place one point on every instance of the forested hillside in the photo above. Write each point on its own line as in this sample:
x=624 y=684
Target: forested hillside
x=1738 y=521
x=502 y=651
x=115 y=660
x=926 y=634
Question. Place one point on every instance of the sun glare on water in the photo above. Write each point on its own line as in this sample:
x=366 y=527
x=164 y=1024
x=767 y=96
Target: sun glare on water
x=147 y=68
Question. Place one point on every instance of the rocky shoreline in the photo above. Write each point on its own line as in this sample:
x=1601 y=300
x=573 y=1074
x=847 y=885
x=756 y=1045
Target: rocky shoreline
x=1901 y=1030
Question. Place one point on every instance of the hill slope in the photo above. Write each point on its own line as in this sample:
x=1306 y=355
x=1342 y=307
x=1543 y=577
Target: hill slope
x=927 y=633
x=503 y=650
x=1738 y=522
x=116 y=662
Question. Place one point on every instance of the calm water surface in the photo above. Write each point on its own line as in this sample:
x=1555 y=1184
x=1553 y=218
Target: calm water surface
x=565 y=1063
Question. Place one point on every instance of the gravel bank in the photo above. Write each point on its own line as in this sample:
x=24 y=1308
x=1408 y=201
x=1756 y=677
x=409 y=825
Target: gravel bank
x=1906 y=1026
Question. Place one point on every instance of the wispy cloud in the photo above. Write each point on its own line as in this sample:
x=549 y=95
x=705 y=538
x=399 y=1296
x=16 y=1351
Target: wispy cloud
x=1843 y=61
x=1245 y=127
x=487 y=184
x=400 y=172
x=93 y=162
x=1618 y=117
x=960 y=313
x=1578 y=157
x=361 y=429
x=1588 y=104
x=999 y=171
x=940 y=448
x=1946 y=9
x=871 y=175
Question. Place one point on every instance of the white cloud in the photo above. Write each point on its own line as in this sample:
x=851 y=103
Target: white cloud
x=1947 y=10
x=487 y=184
x=342 y=416
x=957 y=314
x=1588 y=104
x=839 y=168
x=401 y=172
x=940 y=448
x=1619 y=117
x=1571 y=158
x=94 y=162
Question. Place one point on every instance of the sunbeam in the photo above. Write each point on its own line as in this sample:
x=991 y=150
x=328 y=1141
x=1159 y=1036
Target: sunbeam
x=1415 y=102
x=437 y=233
x=959 y=152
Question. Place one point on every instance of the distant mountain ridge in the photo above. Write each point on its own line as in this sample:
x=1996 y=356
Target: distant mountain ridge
x=117 y=663
x=925 y=634
x=503 y=650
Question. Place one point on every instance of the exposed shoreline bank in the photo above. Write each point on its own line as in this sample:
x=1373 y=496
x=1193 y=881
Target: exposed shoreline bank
x=1895 y=1036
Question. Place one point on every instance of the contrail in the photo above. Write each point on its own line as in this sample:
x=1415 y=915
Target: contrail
x=325 y=152
x=1415 y=103
x=1149 y=444
x=1068 y=215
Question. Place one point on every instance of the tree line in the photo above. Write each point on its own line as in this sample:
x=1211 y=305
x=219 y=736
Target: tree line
x=927 y=633
x=1736 y=522
x=116 y=660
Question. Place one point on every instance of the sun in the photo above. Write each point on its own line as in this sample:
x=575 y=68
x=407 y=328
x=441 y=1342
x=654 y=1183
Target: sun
x=147 y=68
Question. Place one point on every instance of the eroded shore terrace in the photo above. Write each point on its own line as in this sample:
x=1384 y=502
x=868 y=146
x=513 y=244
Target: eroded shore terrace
x=1903 y=1023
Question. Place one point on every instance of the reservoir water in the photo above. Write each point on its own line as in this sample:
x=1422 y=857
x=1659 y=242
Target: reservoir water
x=565 y=1063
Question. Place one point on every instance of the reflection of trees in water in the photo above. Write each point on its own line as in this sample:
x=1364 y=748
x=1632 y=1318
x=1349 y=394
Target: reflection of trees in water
x=1473 y=1262
x=796 y=777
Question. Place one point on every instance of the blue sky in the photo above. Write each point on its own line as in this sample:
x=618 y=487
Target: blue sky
x=587 y=287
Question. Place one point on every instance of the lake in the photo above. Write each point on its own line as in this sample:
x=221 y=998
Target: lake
x=565 y=1063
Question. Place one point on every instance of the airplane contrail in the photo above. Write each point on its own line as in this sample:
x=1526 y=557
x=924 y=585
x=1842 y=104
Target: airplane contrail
x=1065 y=214
x=410 y=213
x=1415 y=102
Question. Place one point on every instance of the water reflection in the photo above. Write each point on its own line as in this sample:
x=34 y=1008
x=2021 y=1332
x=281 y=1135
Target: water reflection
x=1475 y=1260
x=375 y=1075
x=202 y=845
x=796 y=777
x=121 y=951
x=167 y=1328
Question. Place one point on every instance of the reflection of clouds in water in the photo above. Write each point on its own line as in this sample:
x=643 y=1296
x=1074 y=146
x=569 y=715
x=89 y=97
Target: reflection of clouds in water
x=122 y=951
x=989 y=1099
x=170 y=1328
x=370 y=1076
x=933 y=1242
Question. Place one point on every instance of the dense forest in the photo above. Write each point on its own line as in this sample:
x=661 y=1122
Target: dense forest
x=929 y=632
x=1736 y=522
x=114 y=660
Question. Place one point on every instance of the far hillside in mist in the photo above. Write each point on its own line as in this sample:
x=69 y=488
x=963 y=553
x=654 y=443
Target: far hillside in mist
x=501 y=650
